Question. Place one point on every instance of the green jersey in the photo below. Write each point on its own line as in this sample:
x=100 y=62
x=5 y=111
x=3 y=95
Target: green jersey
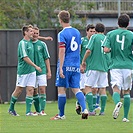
x=84 y=43
x=40 y=55
x=120 y=41
x=98 y=59
x=25 y=49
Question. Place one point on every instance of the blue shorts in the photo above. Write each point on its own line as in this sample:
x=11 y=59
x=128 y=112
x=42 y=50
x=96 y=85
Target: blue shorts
x=72 y=77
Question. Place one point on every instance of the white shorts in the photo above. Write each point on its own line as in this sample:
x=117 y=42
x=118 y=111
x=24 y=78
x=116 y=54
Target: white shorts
x=132 y=75
x=121 y=78
x=41 y=80
x=26 y=80
x=82 y=80
x=96 y=79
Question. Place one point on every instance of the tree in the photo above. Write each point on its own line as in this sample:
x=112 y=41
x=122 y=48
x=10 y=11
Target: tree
x=42 y=13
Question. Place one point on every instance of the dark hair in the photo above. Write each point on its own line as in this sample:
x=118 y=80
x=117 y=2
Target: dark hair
x=64 y=16
x=100 y=27
x=26 y=28
x=123 y=20
x=89 y=26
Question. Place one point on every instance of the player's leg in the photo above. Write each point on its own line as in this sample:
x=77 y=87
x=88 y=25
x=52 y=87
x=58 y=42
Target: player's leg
x=42 y=90
x=103 y=99
x=94 y=92
x=81 y=99
x=36 y=100
x=82 y=88
x=18 y=90
x=126 y=93
x=30 y=83
x=116 y=81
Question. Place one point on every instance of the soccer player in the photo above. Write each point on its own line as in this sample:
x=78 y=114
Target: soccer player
x=96 y=69
x=68 y=69
x=119 y=42
x=90 y=30
x=26 y=74
x=41 y=58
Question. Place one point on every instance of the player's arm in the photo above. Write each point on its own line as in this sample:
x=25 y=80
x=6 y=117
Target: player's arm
x=28 y=61
x=47 y=62
x=61 y=59
x=45 y=38
x=87 y=53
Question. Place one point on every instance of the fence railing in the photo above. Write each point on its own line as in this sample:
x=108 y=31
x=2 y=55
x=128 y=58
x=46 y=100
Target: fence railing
x=103 y=6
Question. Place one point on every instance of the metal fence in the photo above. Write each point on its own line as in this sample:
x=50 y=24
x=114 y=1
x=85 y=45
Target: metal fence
x=103 y=6
x=8 y=63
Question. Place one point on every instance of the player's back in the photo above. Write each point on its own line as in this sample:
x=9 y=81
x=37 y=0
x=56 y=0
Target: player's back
x=121 y=44
x=72 y=40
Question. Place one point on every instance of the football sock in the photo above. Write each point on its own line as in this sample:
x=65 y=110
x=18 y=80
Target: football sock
x=12 y=103
x=61 y=103
x=42 y=101
x=29 y=101
x=126 y=105
x=94 y=101
x=98 y=99
x=89 y=100
x=80 y=97
x=116 y=97
x=36 y=103
x=103 y=99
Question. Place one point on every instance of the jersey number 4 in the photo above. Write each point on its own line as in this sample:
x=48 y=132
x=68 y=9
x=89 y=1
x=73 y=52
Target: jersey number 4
x=74 y=44
x=120 y=41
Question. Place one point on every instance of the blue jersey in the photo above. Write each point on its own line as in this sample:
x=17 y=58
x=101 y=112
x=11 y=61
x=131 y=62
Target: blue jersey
x=71 y=39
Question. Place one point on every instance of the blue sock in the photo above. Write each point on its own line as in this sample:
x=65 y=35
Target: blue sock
x=80 y=97
x=61 y=103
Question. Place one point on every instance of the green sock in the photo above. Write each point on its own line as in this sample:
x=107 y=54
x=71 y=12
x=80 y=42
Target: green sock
x=116 y=97
x=103 y=99
x=36 y=103
x=42 y=101
x=29 y=101
x=89 y=100
x=12 y=103
x=94 y=101
x=126 y=105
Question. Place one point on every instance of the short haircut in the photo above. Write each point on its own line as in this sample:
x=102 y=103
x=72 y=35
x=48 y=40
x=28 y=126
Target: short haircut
x=100 y=27
x=89 y=26
x=26 y=28
x=36 y=28
x=64 y=16
x=123 y=20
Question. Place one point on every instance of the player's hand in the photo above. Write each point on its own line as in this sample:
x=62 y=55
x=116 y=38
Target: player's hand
x=81 y=69
x=38 y=69
x=84 y=65
x=49 y=75
x=61 y=74
x=49 y=38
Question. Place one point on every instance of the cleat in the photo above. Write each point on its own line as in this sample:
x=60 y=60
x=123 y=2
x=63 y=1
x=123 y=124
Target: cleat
x=92 y=113
x=116 y=110
x=78 y=108
x=42 y=113
x=13 y=113
x=97 y=108
x=125 y=120
x=57 y=117
x=101 y=113
x=85 y=114
x=31 y=114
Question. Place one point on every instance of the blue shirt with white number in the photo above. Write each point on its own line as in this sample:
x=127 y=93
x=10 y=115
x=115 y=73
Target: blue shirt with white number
x=71 y=39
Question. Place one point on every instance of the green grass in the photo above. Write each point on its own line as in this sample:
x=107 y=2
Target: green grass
x=72 y=123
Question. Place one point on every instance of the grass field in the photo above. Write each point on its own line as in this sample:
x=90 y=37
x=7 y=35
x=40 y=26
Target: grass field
x=72 y=123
